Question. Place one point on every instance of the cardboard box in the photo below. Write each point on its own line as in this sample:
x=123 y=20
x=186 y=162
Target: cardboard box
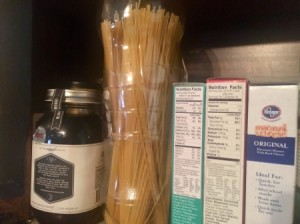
x=271 y=153
x=224 y=160
x=187 y=153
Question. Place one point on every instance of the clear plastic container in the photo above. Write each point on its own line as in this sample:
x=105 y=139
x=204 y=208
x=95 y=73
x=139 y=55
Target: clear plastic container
x=141 y=41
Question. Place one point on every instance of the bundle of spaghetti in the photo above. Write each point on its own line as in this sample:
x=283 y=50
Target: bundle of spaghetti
x=140 y=51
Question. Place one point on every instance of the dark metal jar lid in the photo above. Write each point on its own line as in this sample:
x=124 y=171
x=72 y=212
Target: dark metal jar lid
x=76 y=96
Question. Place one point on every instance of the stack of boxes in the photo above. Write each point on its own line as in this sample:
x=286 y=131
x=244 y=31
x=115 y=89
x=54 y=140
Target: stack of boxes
x=248 y=154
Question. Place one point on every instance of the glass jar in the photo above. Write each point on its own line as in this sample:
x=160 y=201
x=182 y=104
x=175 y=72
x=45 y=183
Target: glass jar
x=68 y=158
x=141 y=41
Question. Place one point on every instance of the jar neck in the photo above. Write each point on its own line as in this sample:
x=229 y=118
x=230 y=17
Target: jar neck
x=78 y=109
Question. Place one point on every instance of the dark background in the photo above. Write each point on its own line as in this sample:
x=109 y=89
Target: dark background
x=15 y=110
x=66 y=45
x=223 y=23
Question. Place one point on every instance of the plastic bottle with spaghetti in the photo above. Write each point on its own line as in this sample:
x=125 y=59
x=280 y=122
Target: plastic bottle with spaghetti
x=141 y=41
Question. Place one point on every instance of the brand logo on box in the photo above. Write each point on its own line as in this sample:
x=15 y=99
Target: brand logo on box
x=271 y=112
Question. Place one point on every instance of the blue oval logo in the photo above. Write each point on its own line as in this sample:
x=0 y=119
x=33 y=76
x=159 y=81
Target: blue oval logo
x=271 y=112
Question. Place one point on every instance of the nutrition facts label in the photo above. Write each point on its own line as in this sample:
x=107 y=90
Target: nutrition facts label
x=224 y=157
x=224 y=124
x=187 y=154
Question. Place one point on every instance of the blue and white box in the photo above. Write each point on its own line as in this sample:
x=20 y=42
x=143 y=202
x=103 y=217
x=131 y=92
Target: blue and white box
x=271 y=153
x=187 y=153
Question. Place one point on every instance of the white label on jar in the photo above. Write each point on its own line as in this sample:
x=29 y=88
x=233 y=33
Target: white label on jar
x=67 y=179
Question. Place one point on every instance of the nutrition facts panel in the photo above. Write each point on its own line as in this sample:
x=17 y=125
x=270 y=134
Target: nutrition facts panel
x=224 y=151
x=187 y=154
x=224 y=128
